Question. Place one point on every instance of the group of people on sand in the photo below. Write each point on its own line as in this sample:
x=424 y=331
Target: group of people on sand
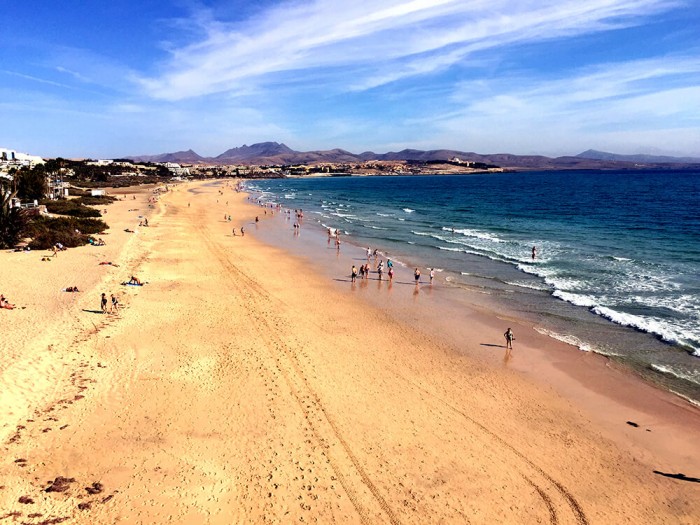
x=114 y=307
x=364 y=270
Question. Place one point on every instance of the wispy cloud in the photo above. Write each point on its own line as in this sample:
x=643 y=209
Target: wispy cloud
x=615 y=102
x=36 y=79
x=390 y=41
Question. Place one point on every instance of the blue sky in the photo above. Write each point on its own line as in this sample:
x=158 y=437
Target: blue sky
x=551 y=77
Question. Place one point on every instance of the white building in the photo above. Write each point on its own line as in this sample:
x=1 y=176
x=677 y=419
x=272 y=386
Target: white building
x=12 y=158
x=176 y=169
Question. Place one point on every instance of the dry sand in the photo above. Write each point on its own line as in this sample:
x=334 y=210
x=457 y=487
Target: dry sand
x=240 y=387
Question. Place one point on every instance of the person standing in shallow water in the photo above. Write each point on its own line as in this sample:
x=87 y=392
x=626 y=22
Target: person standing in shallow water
x=534 y=252
x=416 y=276
x=354 y=273
x=509 y=338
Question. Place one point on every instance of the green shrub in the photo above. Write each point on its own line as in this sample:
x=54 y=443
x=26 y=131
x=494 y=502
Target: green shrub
x=69 y=231
x=77 y=192
x=70 y=207
x=89 y=200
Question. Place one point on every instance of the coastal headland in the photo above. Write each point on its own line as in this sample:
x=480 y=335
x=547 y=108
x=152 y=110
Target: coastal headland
x=240 y=384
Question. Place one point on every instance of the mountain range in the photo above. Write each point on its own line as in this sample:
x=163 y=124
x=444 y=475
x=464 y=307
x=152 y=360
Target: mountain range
x=274 y=153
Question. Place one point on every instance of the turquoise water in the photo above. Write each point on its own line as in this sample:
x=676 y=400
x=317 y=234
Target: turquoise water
x=617 y=269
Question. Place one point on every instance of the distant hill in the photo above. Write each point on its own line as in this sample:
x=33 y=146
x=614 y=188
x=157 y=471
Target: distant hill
x=255 y=151
x=274 y=153
x=185 y=157
x=643 y=159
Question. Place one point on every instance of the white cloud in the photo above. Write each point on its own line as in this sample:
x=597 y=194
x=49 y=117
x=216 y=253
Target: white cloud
x=633 y=106
x=393 y=40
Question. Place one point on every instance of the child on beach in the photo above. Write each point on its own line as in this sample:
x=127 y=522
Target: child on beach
x=115 y=305
x=509 y=338
x=103 y=303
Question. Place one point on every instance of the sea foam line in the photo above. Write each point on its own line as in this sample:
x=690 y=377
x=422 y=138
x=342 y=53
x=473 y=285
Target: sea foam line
x=568 y=339
x=675 y=373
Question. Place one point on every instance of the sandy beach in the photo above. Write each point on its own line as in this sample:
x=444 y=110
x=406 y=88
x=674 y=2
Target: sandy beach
x=243 y=384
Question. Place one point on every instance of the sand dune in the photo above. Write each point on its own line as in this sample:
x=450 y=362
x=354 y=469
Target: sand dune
x=238 y=386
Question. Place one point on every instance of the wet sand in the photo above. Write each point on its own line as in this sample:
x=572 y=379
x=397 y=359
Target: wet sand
x=245 y=385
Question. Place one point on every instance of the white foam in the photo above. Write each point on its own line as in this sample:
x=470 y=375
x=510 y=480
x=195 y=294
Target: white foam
x=689 y=400
x=408 y=210
x=529 y=285
x=665 y=369
x=476 y=233
x=568 y=339
x=644 y=324
x=573 y=298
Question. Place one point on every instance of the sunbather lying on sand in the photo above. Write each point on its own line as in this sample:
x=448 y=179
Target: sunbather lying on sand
x=110 y=263
x=135 y=280
x=4 y=303
x=71 y=289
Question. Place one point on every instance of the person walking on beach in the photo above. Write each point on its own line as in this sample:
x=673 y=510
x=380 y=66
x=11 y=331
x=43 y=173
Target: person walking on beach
x=391 y=273
x=103 y=303
x=242 y=232
x=380 y=269
x=115 y=305
x=416 y=276
x=354 y=273
x=510 y=337
x=432 y=275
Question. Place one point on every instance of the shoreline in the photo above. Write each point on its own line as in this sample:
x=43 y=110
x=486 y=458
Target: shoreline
x=244 y=385
x=588 y=379
x=562 y=301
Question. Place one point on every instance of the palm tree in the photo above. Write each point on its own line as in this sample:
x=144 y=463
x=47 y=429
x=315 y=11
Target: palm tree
x=12 y=219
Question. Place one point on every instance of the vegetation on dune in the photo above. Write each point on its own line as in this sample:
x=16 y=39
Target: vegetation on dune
x=69 y=231
x=89 y=200
x=70 y=207
x=77 y=207
x=74 y=229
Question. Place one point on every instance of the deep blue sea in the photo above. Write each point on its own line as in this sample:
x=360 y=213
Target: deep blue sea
x=617 y=269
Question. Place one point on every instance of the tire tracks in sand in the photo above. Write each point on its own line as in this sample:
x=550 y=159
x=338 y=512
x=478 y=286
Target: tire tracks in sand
x=560 y=505
x=321 y=424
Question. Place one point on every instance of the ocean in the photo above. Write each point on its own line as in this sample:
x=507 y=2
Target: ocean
x=617 y=266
